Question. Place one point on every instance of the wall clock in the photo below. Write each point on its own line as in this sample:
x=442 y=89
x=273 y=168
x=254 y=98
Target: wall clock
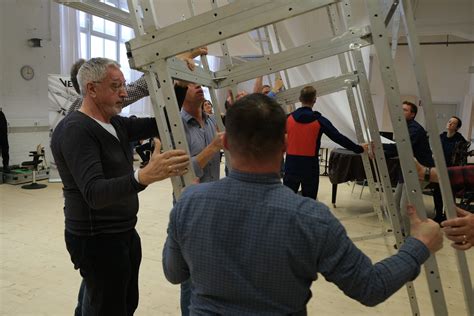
x=27 y=72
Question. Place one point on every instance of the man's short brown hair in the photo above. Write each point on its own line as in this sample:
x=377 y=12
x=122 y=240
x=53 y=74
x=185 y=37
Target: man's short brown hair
x=256 y=126
x=308 y=95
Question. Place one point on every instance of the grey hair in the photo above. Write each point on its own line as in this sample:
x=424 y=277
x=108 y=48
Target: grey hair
x=95 y=69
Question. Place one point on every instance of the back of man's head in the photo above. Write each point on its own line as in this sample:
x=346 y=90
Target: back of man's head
x=255 y=127
x=94 y=70
x=74 y=70
x=308 y=95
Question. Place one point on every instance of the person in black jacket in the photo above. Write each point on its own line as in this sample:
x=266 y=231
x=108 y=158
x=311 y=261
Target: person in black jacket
x=91 y=150
x=422 y=152
x=450 y=138
x=4 y=148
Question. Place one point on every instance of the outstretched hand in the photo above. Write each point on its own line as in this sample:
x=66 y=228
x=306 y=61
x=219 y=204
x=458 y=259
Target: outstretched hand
x=369 y=149
x=171 y=163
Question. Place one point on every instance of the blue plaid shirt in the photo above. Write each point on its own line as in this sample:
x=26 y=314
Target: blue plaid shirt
x=253 y=247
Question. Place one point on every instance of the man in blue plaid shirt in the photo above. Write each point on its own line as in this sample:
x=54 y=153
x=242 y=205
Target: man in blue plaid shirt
x=251 y=246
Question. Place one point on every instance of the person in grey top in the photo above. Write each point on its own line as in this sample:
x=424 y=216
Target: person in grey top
x=251 y=246
x=201 y=133
x=204 y=144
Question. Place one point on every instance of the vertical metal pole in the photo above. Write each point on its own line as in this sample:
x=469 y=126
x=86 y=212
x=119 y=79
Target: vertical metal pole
x=290 y=107
x=380 y=162
x=425 y=94
x=166 y=112
x=395 y=31
x=212 y=91
x=333 y=21
x=225 y=55
x=405 y=151
x=270 y=50
x=382 y=165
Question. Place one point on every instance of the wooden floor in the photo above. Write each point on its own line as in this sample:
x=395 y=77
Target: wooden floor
x=37 y=277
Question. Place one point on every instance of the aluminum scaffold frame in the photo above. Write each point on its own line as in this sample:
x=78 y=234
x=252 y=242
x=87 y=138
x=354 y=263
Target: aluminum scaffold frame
x=153 y=51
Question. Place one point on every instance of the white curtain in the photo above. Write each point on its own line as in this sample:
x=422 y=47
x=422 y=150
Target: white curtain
x=69 y=34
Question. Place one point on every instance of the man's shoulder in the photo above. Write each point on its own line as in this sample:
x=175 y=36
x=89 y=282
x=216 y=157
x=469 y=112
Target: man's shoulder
x=72 y=119
x=75 y=123
x=416 y=127
x=414 y=123
x=311 y=209
x=203 y=189
x=459 y=137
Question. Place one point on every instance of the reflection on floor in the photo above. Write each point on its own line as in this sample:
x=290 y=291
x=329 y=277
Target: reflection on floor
x=37 y=277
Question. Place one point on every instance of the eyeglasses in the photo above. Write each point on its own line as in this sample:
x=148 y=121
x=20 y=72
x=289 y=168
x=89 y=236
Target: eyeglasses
x=116 y=87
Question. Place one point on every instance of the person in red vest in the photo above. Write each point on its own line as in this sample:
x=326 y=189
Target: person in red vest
x=304 y=128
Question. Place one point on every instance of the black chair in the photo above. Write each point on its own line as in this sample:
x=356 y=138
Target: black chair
x=33 y=165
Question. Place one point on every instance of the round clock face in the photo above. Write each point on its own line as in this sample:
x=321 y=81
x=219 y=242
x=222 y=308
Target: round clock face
x=27 y=72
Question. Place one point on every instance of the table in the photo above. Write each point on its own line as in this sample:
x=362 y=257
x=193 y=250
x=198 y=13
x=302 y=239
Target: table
x=345 y=165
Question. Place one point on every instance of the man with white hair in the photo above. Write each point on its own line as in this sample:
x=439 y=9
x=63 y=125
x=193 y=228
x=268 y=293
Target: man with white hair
x=91 y=149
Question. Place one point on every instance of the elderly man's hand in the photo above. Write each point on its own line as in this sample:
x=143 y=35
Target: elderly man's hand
x=171 y=163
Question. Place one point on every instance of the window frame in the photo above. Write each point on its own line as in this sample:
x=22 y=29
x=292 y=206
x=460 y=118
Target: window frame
x=138 y=107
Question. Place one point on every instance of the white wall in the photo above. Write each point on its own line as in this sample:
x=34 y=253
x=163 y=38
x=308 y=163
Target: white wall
x=25 y=103
x=446 y=66
x=447 y=74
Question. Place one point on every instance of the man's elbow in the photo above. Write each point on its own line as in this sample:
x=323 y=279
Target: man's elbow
x=371 y=302
x=373 y=298
x=174 y=277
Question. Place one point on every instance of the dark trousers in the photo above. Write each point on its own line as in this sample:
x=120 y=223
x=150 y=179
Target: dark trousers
x=309 y=184
x=109 y=265
x=4 y=149
x=438 y=203
x=144 y=151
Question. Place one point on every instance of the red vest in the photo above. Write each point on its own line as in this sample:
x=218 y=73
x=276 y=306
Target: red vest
x=302 y=137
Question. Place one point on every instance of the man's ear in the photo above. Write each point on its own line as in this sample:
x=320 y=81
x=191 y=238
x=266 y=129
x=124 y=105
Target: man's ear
x=91 y=89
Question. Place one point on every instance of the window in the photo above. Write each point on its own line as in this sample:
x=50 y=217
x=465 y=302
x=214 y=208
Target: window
x=102 y=38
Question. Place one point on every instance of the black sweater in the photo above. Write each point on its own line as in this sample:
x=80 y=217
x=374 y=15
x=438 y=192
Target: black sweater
x=96 y=169
x=449 y=143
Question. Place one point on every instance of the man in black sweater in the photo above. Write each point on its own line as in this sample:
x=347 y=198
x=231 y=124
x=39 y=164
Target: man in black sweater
x=91 y=149
x=422 y=152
